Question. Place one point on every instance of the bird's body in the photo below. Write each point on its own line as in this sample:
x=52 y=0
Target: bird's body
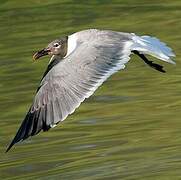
x=80 y=63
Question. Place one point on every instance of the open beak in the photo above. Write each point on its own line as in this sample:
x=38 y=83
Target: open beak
x=41 y=53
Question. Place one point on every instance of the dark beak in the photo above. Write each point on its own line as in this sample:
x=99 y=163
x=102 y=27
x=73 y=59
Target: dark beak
x=41 y=53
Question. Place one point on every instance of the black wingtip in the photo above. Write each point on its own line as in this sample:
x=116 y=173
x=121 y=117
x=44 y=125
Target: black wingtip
x=16 y=139
x=30 y=126
x=10 y=146
x=20 y=134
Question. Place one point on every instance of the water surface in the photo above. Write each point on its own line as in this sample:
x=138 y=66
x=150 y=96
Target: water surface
x=129 y=129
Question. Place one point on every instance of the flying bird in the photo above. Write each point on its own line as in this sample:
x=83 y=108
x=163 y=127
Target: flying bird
x=79 y=64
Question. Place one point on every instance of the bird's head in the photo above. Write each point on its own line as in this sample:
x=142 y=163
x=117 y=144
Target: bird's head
x=57 y=47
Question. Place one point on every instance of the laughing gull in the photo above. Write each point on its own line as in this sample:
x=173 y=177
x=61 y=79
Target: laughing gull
x=80 y=63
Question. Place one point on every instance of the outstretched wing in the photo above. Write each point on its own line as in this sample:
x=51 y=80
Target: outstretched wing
x=73 y=79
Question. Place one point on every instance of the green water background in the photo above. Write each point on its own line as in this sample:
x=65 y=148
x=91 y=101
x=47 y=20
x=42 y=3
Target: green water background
x=129 y=129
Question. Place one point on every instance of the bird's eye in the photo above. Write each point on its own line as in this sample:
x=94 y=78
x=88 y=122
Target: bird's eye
x=56 y=45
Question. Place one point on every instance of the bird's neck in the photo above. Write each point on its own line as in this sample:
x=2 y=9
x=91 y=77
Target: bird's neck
x=54 y=57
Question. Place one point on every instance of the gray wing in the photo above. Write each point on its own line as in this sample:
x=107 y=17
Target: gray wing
x=72 y=80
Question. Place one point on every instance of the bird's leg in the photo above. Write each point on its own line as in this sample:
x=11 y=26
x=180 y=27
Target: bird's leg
x=150 y=63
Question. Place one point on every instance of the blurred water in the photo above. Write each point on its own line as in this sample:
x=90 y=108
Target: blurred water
x=129 y=129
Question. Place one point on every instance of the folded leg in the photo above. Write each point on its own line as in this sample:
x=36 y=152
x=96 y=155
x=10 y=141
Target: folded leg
x=150 y=63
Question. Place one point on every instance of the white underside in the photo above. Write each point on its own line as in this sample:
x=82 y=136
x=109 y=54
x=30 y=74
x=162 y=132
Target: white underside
x=72 y=44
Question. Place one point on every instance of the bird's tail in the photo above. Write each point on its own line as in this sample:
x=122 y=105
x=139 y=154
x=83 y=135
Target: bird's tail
x=152 y=46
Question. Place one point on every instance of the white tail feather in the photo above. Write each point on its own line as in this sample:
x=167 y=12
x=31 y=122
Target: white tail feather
x=152 y=46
